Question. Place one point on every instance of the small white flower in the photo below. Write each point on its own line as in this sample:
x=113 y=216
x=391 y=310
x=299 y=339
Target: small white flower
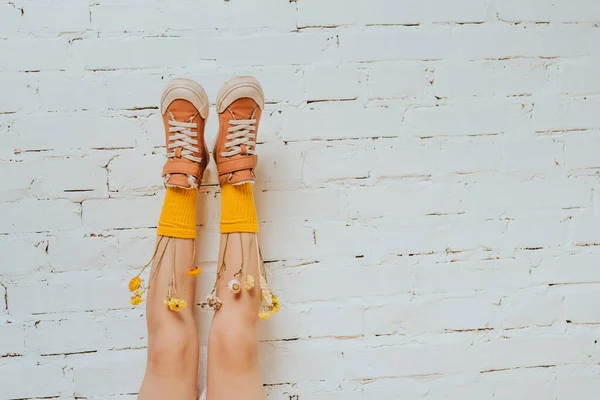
x=234 y=286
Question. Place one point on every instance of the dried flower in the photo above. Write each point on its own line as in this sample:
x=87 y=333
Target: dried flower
x=175 y=304
x=135 y=284
x=276 y=304
x=249 y=282
x=213 y=302
x=234 y=286
x=194 y=272
x=136 y=300
x=264 y=315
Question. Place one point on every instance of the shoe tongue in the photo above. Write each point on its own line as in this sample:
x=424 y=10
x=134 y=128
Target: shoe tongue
x=243 y=108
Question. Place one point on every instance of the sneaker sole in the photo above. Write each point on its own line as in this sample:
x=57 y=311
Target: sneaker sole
x=185 y=89
x=239 y=87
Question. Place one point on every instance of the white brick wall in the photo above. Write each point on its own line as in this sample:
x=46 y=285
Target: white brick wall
x=428 y=192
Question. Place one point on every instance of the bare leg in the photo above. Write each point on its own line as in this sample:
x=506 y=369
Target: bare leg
x=233 y=371
x=172 y=368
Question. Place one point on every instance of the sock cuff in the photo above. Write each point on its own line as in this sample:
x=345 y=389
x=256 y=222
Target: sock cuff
x=238 y=211
x=178 y=216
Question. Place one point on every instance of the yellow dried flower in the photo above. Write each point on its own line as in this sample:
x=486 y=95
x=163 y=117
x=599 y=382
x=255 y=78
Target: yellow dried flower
x=276 y=305
x=194 y=272
x=264 y=315
x=136 y=300
x=249 y=282
x=175 y=304
x=135 y=284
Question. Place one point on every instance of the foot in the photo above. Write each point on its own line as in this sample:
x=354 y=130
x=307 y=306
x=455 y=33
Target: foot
x=184 y=108
x=239 y=103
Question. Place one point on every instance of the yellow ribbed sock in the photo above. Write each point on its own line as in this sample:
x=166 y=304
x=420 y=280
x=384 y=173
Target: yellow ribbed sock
x=178 y=215
x=238 y=211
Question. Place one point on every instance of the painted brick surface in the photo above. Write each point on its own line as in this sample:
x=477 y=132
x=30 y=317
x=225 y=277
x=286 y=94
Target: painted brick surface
x=428 y=191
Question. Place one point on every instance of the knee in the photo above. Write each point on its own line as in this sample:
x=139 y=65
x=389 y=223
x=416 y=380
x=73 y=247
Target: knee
x=172 y=348
x=236 y=343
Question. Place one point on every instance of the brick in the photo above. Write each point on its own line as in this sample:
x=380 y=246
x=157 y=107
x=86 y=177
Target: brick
x=436 y=315
x=57 y=295
x=64 y=337
x=43 y=381
x=347 y=320
x=9 y=22
x=62 y=16
x=373 y=202
x=12 y=343
x=366 y=282
x=510 y=385
x=22 y=257
x=392 y=80
x=54 y=177
x=311 y=13
x=530 y=309
x=465 y=11
x=586 y=230
x=138 y=53
x=587 y=386
x=578 y=77
x=515 y=11
x=100 y=133
x=490 y=78
x=552 y=116
x=537 y=155
x=533 y=351
x=472 y=276
x=123 y=369
x=330 y=123
x=507 y=195
x=129 y=332
x=93 y=252
x=141 y=212
x=396 y=44
x=328 y=83
x=383 y=361
x=34 y=54
x=575 y=11
x=51 y=215
x=579 y=308
x=468 y=119
x=59 y=94
x=130 y=172
x=314 y=205
x=22 y=94
x=134 y=91
x=293 y=48
x=467 y=158
x=581 y=151
x=382 y=12
x=562 y=269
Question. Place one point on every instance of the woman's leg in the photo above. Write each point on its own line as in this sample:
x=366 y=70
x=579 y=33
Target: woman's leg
x=233 y=370
x=172 y=367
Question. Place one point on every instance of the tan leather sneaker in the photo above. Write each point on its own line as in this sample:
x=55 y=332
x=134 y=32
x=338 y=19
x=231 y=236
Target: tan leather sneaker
x=239 y=103
x=184 y=107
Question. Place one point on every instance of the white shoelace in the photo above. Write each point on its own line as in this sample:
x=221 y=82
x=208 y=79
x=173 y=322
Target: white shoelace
x=183 y=137
x=240 y=133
